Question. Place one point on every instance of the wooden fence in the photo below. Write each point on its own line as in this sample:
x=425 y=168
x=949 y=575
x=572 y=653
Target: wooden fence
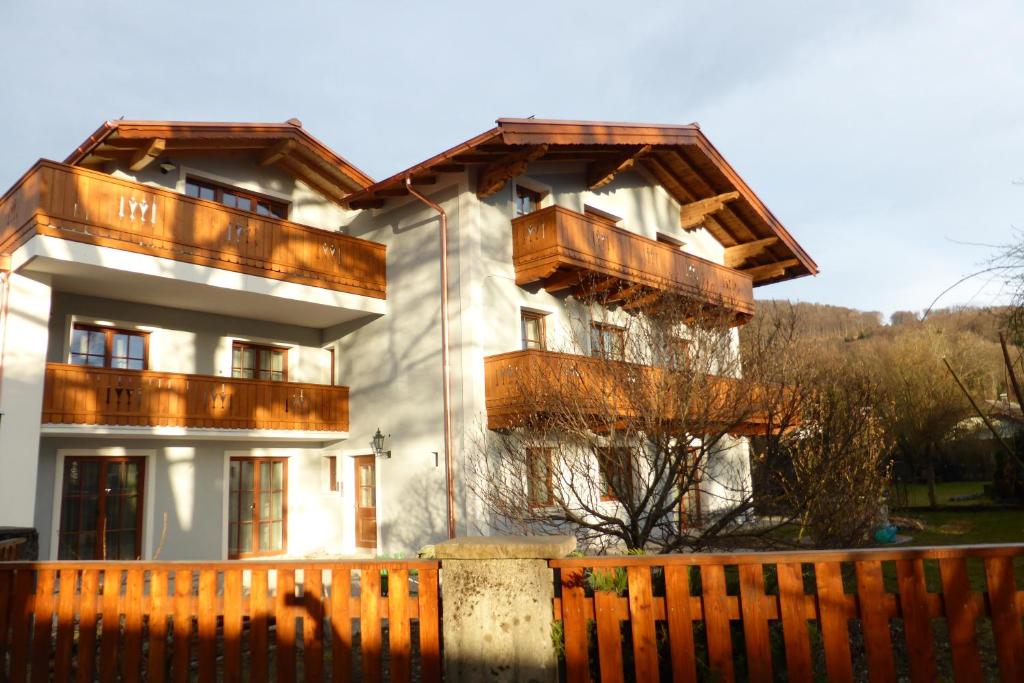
x=219 y=621
x=930 y=614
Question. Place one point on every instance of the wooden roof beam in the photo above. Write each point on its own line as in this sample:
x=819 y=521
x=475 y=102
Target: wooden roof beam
x=692 y=215
x=562 y=280
x=277 y=152
x=770 y=270
x=146 y=154
x=495 y=175
x=600 y=174
x=366 y=204
x=735 y=256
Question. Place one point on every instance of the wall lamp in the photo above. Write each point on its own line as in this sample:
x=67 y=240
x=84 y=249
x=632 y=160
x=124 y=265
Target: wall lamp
x=378 y=445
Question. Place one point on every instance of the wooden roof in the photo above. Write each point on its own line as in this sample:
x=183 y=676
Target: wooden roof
x=138 y=143
x=678 y=157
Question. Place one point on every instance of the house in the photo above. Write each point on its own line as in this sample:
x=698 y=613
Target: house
x=206 y=325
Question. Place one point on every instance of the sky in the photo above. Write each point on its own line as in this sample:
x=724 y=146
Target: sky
x=886 y=135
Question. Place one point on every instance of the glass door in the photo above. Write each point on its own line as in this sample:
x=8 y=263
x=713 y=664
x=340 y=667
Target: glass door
x=257 y=507
x=101 y=508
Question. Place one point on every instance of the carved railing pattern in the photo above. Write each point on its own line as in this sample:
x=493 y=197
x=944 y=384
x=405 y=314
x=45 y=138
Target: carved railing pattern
x=76 y=394
x=87 y=206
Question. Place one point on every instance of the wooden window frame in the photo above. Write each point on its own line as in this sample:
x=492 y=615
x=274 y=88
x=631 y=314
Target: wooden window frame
x=256 y=369
x=597 y=331
x=255 y=197
x=541 y=318
x=333 y=485
x=536 y=195
x=532 y=456
x=608 y=492
x=101 y=501
x=256 y=460
x=108 y=351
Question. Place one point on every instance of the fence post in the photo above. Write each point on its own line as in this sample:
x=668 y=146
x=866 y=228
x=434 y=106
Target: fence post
x=496 y=600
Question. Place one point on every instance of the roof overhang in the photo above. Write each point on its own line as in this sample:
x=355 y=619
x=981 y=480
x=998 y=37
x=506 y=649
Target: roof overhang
x=136 y=144
x=678 y=157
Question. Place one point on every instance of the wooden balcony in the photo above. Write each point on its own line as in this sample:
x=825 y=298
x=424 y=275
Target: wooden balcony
x=560 y=248
x=75 y=394
x=86 y=206
x=522 y=385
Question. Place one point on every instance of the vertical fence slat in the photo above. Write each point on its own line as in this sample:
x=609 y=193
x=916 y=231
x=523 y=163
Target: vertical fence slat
x=400 y=662
x=833 y=613
x=641 y=616
x=68 y=587
x=716 y=621
x=875 y=621
x=341 y=625
x=430 y=623
x=110 y=628
x=794 y=622
x=312 y=625
x=156 y=658
x=369 y=623
x=207 y=625
x=132 y=652
x=1002 y=599
x=284 y=617
x=609 y=635
x=86 y=661
x=6 y=598
x=43 y=625
x=232 y=624
x=755 y=623
x=21 y=620
x=962 y=619
x=917 y=627
x=574 y=626
x=680 y=623
x=182 y=627
x=259 y=638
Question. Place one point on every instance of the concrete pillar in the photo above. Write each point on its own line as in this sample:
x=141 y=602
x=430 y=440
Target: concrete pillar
x=21 y=397
x=497 y=594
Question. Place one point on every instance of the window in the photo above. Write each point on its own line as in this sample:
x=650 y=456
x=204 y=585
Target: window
x=251 y=361
x=106 y=347
x=616 y=468
x=533 y=330
x=101 y=508
x=674 y=353
x=671 y=241
x=330 y=473
x=598 y=214
x=539 y=485
x=257 y=507
x=236 y=198
x=526 y=200
x=607 y=341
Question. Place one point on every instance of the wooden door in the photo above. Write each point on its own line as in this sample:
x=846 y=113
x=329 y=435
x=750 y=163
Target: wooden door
x=101 y=508
x=366 y=501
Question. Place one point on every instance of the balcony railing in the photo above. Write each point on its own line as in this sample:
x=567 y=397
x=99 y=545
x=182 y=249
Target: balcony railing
x=523 y=385
x=557 y=240
x=77 y=204
x=76 y=394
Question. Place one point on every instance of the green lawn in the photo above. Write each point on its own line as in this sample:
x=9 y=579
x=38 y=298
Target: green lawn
x=917 y=494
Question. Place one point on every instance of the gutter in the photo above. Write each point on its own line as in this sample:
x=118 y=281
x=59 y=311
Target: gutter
x=445 y=364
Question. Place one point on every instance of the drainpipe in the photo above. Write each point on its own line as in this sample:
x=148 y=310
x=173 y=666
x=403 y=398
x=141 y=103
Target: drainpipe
x=445 y=364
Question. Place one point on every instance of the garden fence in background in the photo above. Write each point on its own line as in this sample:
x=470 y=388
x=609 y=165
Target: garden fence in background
x=258 y=621
x=931 y=614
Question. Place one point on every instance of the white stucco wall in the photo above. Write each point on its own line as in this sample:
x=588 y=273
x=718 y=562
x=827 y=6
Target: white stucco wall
x=188 y=341
x=187 y=481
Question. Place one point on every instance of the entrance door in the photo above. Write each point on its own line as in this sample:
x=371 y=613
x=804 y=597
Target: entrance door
x=366 y=501
x=101 y=509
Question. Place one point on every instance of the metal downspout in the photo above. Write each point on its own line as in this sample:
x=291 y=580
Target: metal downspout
x=445 y=364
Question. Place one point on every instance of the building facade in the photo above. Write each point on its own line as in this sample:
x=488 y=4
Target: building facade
x=205 y=325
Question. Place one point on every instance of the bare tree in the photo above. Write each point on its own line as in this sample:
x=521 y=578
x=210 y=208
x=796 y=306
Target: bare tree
x=630 y=431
